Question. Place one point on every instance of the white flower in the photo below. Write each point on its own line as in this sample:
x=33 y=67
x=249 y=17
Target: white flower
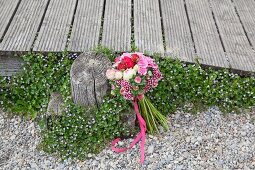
x=118 y=75
x=110 y=74
x=136 y=67
x=128 y=74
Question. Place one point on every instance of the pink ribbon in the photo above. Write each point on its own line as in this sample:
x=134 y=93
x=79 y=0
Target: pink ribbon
x=141 y=135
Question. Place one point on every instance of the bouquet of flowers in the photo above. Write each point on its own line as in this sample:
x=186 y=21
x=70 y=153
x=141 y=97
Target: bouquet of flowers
x=132 y=75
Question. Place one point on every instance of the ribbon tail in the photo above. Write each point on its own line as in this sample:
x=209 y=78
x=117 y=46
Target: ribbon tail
x=143 y=131
x=142 y=149
x=141 y=136
x=118 y=150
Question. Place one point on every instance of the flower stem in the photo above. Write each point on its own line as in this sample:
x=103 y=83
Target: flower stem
x=152 y=116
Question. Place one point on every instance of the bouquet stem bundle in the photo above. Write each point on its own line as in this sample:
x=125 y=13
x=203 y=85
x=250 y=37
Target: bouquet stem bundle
x=152 y=116
x=132 y=75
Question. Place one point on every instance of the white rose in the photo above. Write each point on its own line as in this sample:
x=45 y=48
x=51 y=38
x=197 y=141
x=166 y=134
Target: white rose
x=136 y=67
x=128 y=74
x=118 y=75
x=110 y=74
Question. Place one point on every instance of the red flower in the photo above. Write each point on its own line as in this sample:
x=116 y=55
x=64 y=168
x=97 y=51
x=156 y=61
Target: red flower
x=128 y=62
x=121 y=66
x=134 y=57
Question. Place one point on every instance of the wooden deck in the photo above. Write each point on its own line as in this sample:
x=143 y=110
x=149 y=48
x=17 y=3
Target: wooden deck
x=219 y=33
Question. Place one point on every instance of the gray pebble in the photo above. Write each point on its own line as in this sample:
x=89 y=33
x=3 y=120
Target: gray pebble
x=208 y=140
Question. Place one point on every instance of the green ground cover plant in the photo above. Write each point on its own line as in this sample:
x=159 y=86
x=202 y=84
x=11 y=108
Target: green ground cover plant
x=74 y=134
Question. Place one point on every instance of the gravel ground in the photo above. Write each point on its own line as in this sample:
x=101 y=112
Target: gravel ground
x=207 y=140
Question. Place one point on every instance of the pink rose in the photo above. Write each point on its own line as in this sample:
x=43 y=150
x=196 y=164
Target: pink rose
x=110 y=74
x=138 y=79
x=117 y=59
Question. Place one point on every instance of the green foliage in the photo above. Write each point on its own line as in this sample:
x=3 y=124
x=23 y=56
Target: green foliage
x=28 y=93
x=106 y=51
x=76 y=133
x=192 y=87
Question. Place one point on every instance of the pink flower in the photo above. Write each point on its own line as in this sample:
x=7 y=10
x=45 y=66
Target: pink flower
x=143 y=65
x=117 y=59
x=113 y=87
x=149 y=60
x=138 y=79
x=128 y=96
x=122 y=91
x=110 y=73
x=126 y=54
x=142 y=71
x=138 y=53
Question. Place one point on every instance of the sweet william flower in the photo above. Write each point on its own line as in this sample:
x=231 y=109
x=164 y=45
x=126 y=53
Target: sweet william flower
x=110 y=73
x=128 y=74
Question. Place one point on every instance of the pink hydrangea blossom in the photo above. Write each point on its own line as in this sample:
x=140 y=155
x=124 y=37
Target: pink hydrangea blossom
x=142 y=65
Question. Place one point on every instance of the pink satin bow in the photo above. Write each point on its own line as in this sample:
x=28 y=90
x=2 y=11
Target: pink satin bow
x=141 y=135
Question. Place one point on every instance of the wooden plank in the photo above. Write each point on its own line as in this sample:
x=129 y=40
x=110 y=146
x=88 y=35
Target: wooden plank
x=7 y=9
x=9 y=65
x=86 y=27
x=246 y=11
x=23 y=28
x=55 y=27
x=177 y=32
x=147 y=26
x=206 y=38
x=117 y=25
x=238 y=49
